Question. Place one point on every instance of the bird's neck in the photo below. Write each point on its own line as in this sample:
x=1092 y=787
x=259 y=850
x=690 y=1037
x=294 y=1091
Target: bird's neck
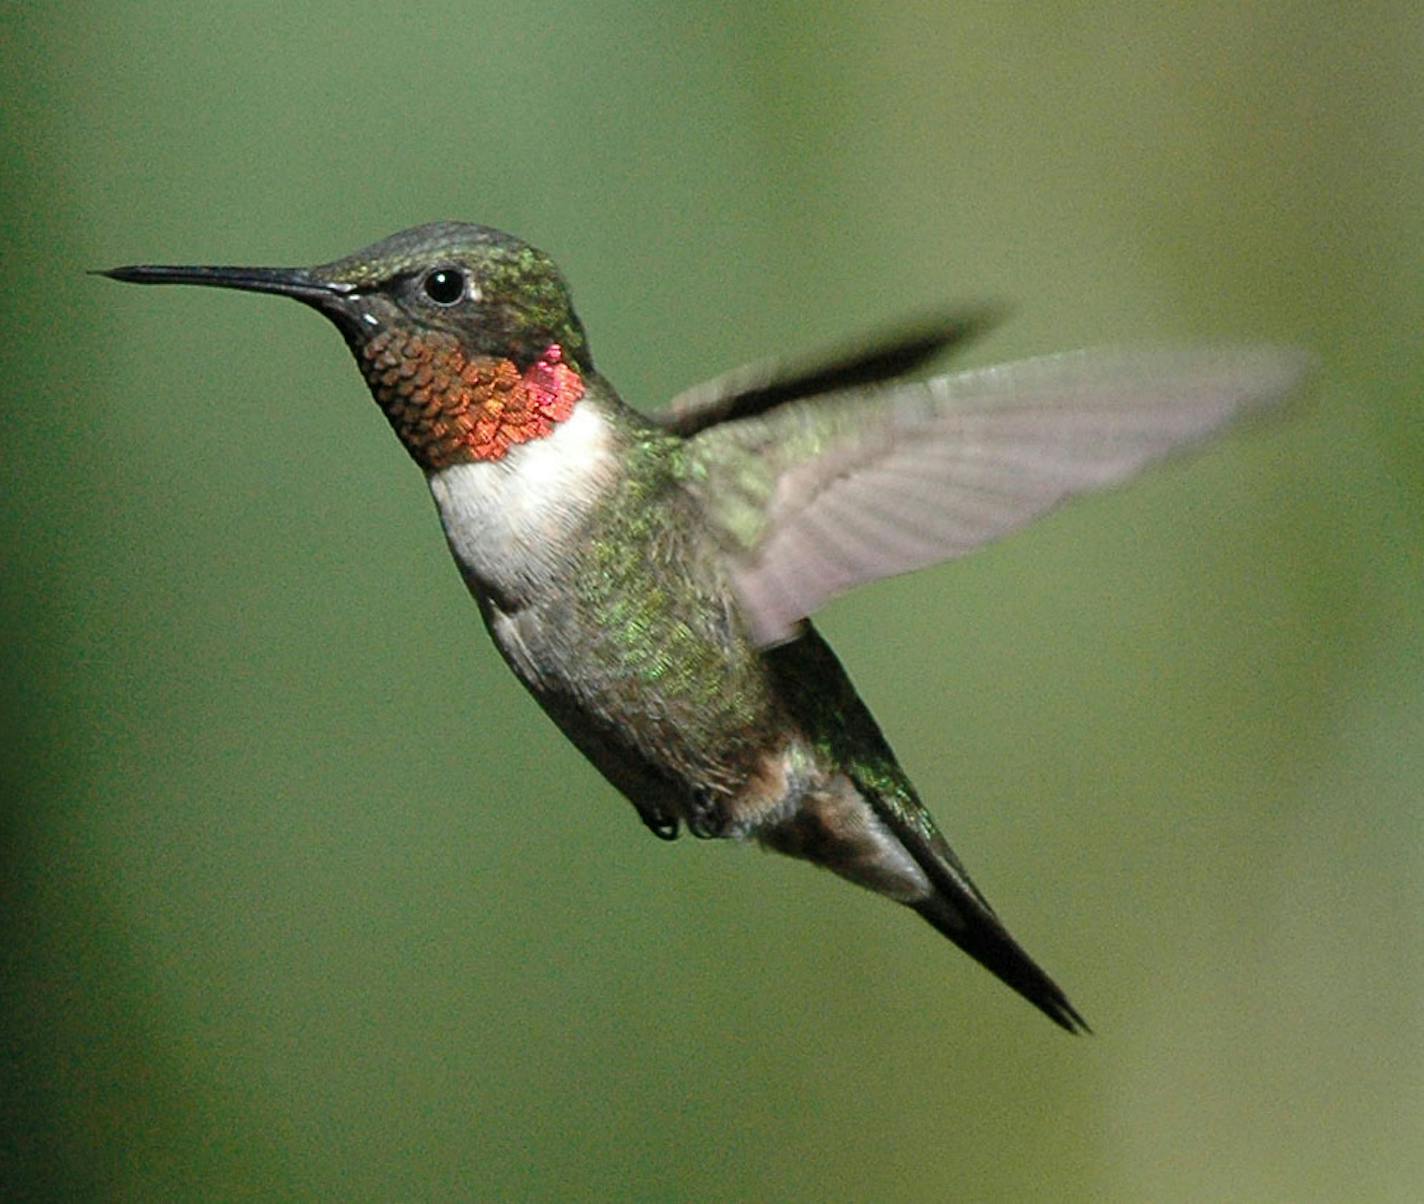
x=448 y=407
x=514 y=524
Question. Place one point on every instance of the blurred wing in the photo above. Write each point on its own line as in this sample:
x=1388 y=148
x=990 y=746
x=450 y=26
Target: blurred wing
x=758 y=387
x=818 y=496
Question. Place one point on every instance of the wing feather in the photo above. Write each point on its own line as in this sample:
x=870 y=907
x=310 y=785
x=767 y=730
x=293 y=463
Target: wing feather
x=819 y=495
x=762 y=386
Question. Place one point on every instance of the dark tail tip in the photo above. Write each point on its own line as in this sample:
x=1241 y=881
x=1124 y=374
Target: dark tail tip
x=988 y=943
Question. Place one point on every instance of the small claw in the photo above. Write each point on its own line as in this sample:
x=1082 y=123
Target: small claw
x=705 y=818
x=661 y=826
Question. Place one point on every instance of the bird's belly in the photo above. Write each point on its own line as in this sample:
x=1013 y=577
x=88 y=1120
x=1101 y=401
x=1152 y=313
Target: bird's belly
x=760 y=780
x=713 y=750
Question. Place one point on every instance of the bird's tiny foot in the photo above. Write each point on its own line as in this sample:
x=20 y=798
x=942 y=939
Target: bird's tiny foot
x=660 y=824
x=705 y=816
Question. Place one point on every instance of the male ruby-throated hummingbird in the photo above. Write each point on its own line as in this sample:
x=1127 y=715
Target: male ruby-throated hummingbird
x=649 y=577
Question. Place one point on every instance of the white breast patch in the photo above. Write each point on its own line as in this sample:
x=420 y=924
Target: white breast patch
x=506 y=519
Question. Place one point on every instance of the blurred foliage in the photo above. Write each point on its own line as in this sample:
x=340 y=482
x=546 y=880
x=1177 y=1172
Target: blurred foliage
x=307 y=900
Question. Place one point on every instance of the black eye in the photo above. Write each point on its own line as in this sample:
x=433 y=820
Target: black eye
x=445 y=286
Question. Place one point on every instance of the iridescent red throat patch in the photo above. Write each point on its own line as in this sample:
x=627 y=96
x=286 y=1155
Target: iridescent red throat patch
x=449 y=409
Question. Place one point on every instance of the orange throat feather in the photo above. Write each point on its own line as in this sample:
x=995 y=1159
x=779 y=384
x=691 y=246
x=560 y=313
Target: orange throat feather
x=449 y=408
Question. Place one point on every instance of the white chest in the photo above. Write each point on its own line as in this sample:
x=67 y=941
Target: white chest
x=507 y=520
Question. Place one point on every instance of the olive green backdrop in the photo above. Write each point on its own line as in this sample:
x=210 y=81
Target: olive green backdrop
x=305 y=899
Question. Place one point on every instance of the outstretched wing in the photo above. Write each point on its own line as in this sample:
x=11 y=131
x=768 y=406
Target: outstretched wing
x=755 y=388
x=816 y=496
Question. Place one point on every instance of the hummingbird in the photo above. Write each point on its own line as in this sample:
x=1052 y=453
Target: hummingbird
x=650 y=577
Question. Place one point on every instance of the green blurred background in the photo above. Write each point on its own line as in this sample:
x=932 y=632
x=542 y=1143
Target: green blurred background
x=306 y=899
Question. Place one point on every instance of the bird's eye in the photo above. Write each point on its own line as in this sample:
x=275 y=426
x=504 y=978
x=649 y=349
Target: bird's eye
x=444 y=286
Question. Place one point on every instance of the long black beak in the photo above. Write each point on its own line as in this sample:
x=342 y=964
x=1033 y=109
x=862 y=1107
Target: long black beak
x=300 y=283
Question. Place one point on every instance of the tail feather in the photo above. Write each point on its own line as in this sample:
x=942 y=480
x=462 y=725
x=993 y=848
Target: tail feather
x=903 y=855
x=978 y=932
